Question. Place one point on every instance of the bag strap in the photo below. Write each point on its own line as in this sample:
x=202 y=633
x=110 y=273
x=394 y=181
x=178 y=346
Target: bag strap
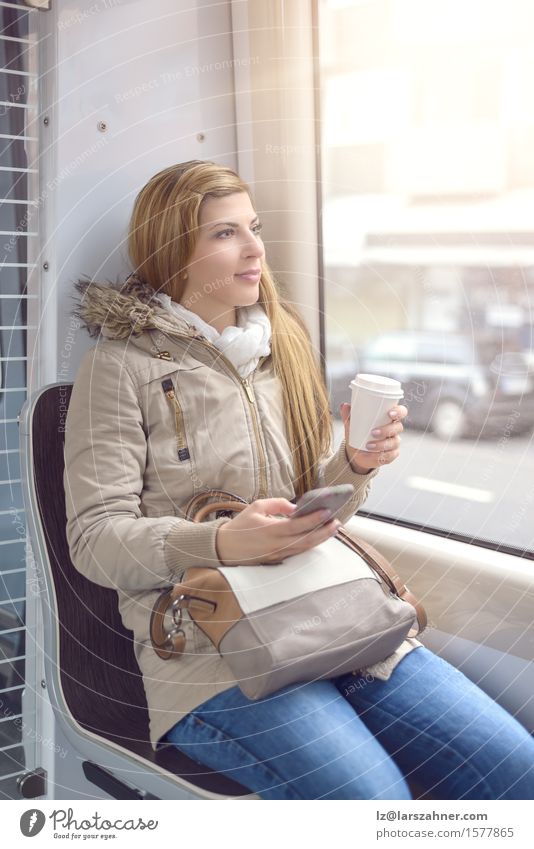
x=165 y=643
x=378 y=562
x=196 y=511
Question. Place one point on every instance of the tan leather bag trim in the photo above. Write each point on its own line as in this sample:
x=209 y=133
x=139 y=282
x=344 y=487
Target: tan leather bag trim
x=164 y=645
x=211 y=585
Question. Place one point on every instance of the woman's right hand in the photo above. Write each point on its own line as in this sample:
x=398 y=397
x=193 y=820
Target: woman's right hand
x=258 y=535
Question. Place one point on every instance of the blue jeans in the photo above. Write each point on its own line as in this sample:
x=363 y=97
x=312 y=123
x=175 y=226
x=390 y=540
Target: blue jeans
x=357 y=737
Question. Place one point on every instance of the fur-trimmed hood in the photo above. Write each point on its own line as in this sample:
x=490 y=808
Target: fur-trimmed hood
x=124 y=309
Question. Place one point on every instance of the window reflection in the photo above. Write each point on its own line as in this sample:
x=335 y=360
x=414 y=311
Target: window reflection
x=428 y=234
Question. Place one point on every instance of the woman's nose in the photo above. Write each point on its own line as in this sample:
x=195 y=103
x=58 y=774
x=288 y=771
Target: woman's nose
x=254 y=248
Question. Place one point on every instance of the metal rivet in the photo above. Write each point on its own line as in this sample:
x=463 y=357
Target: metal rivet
x=46 y=121
x=200 y=137
x=43 y=684
x=102 y=126
x=45 y=266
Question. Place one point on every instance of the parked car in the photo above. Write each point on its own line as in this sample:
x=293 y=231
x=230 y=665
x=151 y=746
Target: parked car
x=453 y=384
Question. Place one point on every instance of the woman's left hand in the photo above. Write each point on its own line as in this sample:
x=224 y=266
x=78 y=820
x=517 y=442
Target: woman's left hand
x=385 y=445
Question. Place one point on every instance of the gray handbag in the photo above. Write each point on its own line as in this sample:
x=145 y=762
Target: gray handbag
x=335 y=608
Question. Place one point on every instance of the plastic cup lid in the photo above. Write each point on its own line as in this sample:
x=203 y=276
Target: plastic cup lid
x=377 y=383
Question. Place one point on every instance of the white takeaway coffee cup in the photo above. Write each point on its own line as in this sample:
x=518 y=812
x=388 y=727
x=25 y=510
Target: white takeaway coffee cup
x=372 y=398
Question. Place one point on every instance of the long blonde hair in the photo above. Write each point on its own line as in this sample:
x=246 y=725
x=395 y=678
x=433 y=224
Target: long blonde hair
x=162 y=237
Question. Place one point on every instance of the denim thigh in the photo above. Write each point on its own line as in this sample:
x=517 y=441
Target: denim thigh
x=444 y=731
x=302 y=742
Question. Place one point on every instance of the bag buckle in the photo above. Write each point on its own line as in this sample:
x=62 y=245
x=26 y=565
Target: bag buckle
x=165 y=643
x=185 y=599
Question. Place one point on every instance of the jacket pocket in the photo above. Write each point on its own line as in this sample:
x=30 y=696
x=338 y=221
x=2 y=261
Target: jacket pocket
x=170 y=426
x=162 y=378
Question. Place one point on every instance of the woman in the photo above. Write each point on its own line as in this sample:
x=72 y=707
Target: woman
x=204 y=377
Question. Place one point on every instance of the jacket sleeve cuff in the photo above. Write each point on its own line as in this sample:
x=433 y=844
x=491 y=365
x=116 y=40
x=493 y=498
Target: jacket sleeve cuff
x=192 y=544
x=336 y=470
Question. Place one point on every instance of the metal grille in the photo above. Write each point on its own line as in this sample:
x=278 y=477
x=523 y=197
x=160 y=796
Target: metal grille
x=18 y=304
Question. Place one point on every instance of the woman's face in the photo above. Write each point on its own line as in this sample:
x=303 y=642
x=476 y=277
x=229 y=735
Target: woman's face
x=228 y=245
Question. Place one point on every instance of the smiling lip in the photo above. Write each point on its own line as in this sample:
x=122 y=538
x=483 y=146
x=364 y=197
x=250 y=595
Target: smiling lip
x=251 y=274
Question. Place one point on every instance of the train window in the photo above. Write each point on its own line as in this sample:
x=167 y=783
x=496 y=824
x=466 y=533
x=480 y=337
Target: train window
x=18 y=304
x=427 y=186
x=392 y=347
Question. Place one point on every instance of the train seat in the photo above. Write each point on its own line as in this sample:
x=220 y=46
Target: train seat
x=92 y=677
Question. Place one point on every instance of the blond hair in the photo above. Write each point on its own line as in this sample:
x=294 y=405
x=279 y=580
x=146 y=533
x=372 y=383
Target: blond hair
x=162 y=237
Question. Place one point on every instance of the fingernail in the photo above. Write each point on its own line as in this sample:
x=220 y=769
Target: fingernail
x=375 y=432
x=371 y=445
x=393 y=414
x=325 y=514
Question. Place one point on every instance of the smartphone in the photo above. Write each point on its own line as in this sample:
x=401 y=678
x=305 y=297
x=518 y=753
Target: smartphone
x=325 y=498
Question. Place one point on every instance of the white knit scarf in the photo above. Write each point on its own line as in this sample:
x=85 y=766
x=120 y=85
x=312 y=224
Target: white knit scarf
x=242 y=345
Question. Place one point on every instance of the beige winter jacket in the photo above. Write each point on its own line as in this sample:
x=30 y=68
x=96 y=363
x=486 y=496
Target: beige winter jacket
x=136 y=453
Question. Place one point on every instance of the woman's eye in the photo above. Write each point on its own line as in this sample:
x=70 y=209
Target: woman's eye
x=229 y=231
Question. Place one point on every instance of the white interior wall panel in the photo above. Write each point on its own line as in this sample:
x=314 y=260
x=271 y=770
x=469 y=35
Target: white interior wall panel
x=157 y=75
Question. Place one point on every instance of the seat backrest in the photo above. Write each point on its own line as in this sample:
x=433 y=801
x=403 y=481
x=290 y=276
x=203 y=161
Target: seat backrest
x=97 y=668
x=100 y=677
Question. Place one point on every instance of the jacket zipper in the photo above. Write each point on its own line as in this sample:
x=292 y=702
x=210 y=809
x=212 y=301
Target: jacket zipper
x=247 y=386
x=181 y=442
x=249 y=392
x=250 y=395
